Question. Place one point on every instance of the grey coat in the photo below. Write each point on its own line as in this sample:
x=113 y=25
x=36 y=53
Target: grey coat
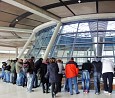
x=52 y=72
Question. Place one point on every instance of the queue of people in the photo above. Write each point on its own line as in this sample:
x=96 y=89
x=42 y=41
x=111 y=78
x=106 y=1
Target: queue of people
x=51 y=70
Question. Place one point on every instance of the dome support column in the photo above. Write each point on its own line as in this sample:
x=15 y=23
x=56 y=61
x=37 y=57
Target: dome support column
x=52 y=40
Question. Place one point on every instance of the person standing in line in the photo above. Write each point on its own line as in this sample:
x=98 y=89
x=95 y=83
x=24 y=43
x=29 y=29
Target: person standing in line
x=60 y=73
x=37 y=66
x=15 y=74
x=30 y=76
x=107 y=72
x=71 y=72
x=7 y=71
x=52 y=73
x=97 y=71
x=19 y=65
x=12 y=71
x=86 y=69
x=3 y=70
x=44 y=81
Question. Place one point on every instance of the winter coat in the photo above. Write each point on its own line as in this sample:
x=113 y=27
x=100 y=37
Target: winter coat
x=52 y=72
x=71 y=69
x=19 y=67
x=87 y=66
x=107 y=66
x=31 y=67
x=13 y=67
x=37 y=65
x=43 y=71
x=97 y=66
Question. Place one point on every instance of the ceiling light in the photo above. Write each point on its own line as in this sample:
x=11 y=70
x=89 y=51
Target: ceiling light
x=79 y=1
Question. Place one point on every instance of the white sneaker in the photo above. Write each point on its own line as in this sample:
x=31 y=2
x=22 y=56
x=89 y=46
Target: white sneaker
x=109 y=93
x=106 y=92
x=97 y=93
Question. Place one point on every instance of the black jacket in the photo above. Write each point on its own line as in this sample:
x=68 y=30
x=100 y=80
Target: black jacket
x=37 y=65
x=87 y=66
x=43 y=71
x=97 y=66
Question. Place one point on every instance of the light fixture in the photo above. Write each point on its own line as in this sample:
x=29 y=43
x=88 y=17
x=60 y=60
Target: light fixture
x=79 y=1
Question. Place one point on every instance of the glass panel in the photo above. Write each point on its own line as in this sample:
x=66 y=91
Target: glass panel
x=83 y=27
x=77 y=39
x=70 y=28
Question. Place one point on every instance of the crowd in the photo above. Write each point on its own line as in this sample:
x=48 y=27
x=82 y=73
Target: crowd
x=51 y=70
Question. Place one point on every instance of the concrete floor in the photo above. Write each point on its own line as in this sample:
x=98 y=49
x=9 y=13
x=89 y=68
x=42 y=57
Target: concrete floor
x=8 y=90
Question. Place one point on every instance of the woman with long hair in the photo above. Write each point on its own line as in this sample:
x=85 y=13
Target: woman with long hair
x=52 y=73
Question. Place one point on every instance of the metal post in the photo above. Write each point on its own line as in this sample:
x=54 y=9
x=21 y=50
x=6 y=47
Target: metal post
x=113 y=52
x=52 y=41
x=74 y=42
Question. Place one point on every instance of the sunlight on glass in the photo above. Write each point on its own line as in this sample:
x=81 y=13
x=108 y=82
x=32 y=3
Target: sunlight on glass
x=83 y=27
x=70 y=28
x=111 y=26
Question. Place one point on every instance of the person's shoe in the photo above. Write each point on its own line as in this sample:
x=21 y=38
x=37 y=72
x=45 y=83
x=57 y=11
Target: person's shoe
x=83 y=91
x=109 y=93
x=77 y=92
x=34 y=86
x=30 y=91
x=86 y=92
x=106 y=92
x=43 y=91
x=47 y=92
x=97 y=93
x=54 y=95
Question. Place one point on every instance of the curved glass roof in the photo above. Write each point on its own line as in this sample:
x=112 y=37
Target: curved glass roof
x=77 y=39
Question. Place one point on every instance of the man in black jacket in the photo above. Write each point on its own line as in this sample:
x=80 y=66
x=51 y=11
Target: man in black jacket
x=86 y=69
x=97 y=69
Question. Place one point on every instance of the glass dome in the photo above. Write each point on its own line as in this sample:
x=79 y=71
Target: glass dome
x=83 y=40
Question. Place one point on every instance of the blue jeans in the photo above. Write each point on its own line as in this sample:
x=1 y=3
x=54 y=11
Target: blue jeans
x=24 y=79
x=19 y=79
x=2 y=74
x=97 y=76
x=11 y=77
x=7 y=76
x=35 y=80
x=66 y=85
x=4 y=78
x=85 y=80
x=71 y=81
x=29 y=82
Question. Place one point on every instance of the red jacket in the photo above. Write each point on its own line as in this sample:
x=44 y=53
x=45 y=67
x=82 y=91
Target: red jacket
x=71 y=69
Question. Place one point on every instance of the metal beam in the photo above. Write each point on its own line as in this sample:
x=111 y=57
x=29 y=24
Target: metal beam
x=19 y=18
x=11 y=29
x=67 y=7
x=89 y=17
x=97 y=6
x=13 y=40
x=33 y=9
x=102 y=16
x=7 y=46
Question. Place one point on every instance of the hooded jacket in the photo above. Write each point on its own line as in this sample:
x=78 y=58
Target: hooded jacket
x=71 y=69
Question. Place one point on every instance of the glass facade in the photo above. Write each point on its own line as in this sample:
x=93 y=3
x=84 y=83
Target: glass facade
x=83 y=40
